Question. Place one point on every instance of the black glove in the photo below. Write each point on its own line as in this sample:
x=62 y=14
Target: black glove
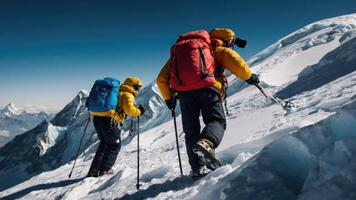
x=171 y=104
x=253 y=80
x=141 y=109
x=240 y=42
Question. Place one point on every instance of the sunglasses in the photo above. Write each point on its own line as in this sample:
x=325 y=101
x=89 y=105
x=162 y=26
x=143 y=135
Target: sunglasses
x=137 y=87
x=239 y=42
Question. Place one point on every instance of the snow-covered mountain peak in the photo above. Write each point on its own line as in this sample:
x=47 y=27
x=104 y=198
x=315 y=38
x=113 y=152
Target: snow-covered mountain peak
x=15 y=120
x=11 y=109
x=72 y=110
x=83 y=93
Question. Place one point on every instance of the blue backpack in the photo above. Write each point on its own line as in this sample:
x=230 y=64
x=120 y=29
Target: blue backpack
x=103 y=95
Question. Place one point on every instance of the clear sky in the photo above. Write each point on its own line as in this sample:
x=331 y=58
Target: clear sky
x=51 y=49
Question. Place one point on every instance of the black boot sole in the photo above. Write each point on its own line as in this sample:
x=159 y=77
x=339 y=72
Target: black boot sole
x=211 y=162
x=195 y=178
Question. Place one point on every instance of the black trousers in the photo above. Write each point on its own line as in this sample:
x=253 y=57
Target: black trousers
x=207 y=102
x=109 y=145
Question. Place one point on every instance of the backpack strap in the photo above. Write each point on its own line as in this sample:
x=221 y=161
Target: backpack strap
x=175 y=68
x=203 y=68
x=119 y=110
x=219 y=73
x=113 y=123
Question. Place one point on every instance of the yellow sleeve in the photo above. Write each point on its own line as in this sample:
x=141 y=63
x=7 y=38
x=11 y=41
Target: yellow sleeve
x=232 y=61
x=163 y=81
x=128 y=105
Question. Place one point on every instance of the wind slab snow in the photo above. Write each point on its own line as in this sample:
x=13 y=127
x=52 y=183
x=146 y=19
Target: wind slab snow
x=267 y=153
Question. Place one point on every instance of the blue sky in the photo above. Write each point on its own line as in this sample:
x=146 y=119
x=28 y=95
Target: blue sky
x=49 y=50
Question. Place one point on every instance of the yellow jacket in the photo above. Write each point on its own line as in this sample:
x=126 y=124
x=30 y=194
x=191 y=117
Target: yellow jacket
x=126 y=101
x=224 y=57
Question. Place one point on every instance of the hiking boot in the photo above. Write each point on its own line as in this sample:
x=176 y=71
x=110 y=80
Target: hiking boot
x=92 y=174
x=107 y=172
x=198 y=173
x=204 y=149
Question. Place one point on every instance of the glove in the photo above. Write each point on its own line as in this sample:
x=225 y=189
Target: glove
x=171 y=103
x=141 y=109
x=240 y=42
x=253 y=80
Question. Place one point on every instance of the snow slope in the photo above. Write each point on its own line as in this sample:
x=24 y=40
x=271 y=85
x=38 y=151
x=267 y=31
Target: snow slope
x=62 y=135
x=267 y=153
x=45 y=147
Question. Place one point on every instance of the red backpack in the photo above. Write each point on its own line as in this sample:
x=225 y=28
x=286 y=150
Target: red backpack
x=192 y=62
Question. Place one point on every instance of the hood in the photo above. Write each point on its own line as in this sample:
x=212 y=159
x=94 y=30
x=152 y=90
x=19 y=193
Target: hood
x=129 y=85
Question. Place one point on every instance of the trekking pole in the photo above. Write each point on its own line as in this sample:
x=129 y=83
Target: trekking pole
x=286 y=105
x=138 y=154
x=80 y=144
x=175 y=128
x=131 y=128
x=225 y=104
x=226 y=85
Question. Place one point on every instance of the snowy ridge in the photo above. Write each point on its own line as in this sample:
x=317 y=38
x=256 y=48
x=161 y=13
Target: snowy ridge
x=338 y=25
x=281 y=63
x=49 y=138
x=267 y=153
x=325 y=71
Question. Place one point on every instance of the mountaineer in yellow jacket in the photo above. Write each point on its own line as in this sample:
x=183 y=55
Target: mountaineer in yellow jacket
x=106 y=126
x=209 y=54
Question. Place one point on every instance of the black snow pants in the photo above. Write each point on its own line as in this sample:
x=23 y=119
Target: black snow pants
x=208 y=102
x=109 y=145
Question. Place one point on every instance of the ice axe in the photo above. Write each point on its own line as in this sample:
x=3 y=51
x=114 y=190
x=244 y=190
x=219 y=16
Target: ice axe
x=286 y=105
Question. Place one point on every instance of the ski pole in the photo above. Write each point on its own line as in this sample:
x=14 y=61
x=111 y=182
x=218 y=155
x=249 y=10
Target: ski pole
x=80 y=144
x=138 y=154
x=286 y=105
x=175 y=128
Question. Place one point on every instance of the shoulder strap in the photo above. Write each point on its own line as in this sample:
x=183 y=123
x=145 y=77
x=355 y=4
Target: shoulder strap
x=175 y=68
x=202 y=66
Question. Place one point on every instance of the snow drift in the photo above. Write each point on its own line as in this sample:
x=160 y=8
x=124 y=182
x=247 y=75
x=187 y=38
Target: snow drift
x=313 y=155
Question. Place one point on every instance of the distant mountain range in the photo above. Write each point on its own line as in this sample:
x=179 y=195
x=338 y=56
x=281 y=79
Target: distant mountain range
x=14 y=121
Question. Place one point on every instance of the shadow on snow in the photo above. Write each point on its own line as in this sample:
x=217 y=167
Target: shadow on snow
x=44 y=186
x=156 y=189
